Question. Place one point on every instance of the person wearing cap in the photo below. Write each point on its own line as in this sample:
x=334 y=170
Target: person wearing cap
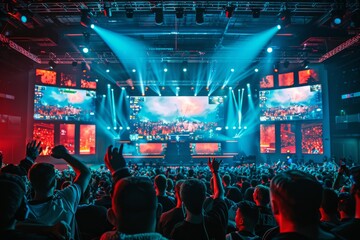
x=350 y=228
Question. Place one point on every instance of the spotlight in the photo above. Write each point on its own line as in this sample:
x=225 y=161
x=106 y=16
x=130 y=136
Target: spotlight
x=229 y=10
x=165 y=69
x=177 y=88
x=92 y=26
x=269 y=49
x=108 y=128
x=179 y=12
x=104 y=96
x=133 y=70
x=23 y=18
x=85 y=19
x=122 y=88
x=107 y=70
x=276 y=67
x=305 y=64
x=285 y=17
x=200 y=15
x=184 y=66
x=85 y=50
x=108 y=85
x=83 y=67
x=255 y=12
x=278 y=26
x=230 y=88
x=337 y=16
x=129 y=13
x=52 y=64
x=256 y=70
x=159 y=16
x=184 y=69
x=232 y=70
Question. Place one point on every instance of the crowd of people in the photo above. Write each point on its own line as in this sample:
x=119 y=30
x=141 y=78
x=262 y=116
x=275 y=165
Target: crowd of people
x=312 y=139
x=294 y=112
x=121 y=200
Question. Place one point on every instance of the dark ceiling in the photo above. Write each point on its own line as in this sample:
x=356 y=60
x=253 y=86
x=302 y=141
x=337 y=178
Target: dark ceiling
x=53 y=31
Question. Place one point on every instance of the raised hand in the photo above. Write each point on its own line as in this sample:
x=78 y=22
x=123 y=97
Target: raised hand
x=114 y=159
x=214 y=165
x=33 y=149
x=59 y=151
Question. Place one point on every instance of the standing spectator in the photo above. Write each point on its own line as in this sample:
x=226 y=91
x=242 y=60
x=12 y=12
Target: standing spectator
x=295 y=198
x=329 y=209
x=169 y=219
x=167 y=202
x=247 y=216
x=198 y=225
x=346 y=207
x=50 y=207
x=350 y=229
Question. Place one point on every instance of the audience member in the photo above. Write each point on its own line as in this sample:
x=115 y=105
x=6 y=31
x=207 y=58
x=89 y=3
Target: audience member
x=167 y=202
x=329 y=216
x=346 y=206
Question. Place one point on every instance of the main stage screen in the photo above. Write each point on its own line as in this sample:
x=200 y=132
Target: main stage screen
x=297 y=103
x=205 y=148
x=55 y=103
x=177 y=118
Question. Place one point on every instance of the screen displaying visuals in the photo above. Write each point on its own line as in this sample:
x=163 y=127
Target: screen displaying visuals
x=205 y=148
x=174 y=118
x=67 y=137
x=68 y=80
x=45 y=77
x=87 y=139
x=54 y=103
x=308 y=76
x=286 y=79
x=151 y=148
x=44 y=132
x=267 y=81
x=288 y=139
x=297 y=103
x=267 y=138
x=312 y=138
x=88 y=84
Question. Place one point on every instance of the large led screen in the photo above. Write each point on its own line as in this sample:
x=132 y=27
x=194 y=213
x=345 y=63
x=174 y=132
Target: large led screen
x=205 y=148
x=267 y=138
x=287 y=135
x=45 y=77
x=151 y=148
x=87 y=139
x=67 y=137
x=54 y=103
x=312 y=138
x=308 y=76
x=286 y=79
x=267 y=82
x=298 y=103
x=175 y=118
x=44 y=132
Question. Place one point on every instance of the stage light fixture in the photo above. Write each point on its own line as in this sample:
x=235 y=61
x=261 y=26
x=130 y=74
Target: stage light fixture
x=74 y=63
x=159 y=16
x=255 y=12
x=85 y=50
x=184 y=66
x=229 y=11
x=232 y=70
x=133 y=70
x=278 y=26
x=92 y=26
x=83 y=67
x=179 y=12
x=107 y=70
x=337 y=16
x=269 y=49
x=52 y=64
x=286 y=64
x=23 y=18
x=256 y=70
x=199 y=15
x=276 y=67
x=285 y=17
x=305 y=64
x=165 y=69
x=85 y=19
x=129 y=13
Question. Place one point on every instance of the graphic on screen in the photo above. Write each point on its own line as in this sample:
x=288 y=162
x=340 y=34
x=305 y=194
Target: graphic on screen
x=286 y=79
x=308 y=76
x=267 y=138
x=45 y=76
x=67 y=137
x=174 y=118
x=205 y=148
x=44 y=132
x=298 y=103
x=87 y=139
x=54 y=103
x=267 y=82
x=311 y=141
x=151 y=148
x=68 y=80
x=88 y=84
x=287 y=135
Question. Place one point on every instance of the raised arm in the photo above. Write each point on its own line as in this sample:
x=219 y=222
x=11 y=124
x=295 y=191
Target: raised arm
x=33 y=150
x=214 y=166
x=115 y=162
x=83 y=173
